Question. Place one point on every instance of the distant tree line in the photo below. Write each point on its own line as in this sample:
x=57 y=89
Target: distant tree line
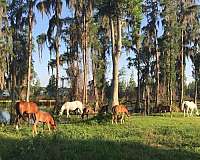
x=157 y=36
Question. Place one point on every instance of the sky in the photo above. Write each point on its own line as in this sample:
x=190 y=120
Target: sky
x=41 y=65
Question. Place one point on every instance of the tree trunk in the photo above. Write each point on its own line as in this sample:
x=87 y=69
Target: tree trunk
x=196 y=87
x=85 y=65
x=57 y=73
x=138 y=46
x=1 y=15
x=157 y=72
x=30 y=24
x=96 y=95
x=148 y=99
x=182 y=72
x=170 y=85
x=115 y=59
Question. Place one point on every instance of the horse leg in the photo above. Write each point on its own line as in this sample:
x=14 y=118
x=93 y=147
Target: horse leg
x=29 y=115
x=191 y=113
x=17 y=122
x=49 y=127
x=113 y=118
x=34 y=130
x=123 y=117
x=188 y=111
x=121 y=121
x=197 y=113
x=67 y=113
x=43 y=125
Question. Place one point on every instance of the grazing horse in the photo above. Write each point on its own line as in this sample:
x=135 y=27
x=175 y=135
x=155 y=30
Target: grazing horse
x=72 y=106
x=118 y=112
x=87 y=111
x=25 y=108
x=4 y=117
x=189 y=105
x=45 y=118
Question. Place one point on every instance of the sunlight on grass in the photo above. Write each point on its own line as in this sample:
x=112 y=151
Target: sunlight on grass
x=153 y=137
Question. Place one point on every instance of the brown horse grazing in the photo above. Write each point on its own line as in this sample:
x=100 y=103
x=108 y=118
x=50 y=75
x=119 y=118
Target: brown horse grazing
x=45 y=118
x=25 y=108
x=87 y=111
x=118 y=113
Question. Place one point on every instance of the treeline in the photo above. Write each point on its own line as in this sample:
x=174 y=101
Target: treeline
x=158 y=35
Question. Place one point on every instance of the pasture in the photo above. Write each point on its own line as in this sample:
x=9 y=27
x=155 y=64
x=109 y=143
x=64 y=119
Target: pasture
x=139 y=138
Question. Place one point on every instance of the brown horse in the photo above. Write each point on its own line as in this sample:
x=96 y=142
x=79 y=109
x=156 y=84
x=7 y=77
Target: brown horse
x=87 y=111
x=25 y=108
x=45 y=118
x=118 y=113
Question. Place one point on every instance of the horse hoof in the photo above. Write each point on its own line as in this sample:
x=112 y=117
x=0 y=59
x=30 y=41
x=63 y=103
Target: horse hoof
x=17 y=128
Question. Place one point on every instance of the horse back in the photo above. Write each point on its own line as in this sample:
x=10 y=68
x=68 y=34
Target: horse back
x=44 y=117
x=73 y=105
x=120 y=109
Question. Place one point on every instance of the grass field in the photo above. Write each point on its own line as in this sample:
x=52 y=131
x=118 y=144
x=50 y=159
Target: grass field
x=140 y=138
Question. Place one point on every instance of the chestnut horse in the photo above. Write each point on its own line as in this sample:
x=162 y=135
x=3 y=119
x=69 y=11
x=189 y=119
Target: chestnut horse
x=22 y=108
x=118 y=112
x=45 y=118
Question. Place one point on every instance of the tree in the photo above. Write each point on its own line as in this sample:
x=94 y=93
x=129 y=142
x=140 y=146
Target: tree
x=54 y=33
x=170 y=47
x=51 y=87
x=116 y=10
x=30 y=45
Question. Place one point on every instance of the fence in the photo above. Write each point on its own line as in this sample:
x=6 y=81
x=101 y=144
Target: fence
x=41 y=103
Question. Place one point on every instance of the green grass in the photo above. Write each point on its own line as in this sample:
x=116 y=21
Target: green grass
x=139 y=138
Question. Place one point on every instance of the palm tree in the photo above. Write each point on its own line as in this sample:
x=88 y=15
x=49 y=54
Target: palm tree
x=30 y=26
x=54 y=32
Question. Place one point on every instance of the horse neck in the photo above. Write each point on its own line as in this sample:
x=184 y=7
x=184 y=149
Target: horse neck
x=62 y=109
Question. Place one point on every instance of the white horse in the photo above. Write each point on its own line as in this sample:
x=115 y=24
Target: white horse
x=189 y=105
x=71 y=106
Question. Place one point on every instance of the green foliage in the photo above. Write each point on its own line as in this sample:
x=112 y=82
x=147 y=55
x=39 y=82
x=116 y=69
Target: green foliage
x=51 y=87
x=35 y=90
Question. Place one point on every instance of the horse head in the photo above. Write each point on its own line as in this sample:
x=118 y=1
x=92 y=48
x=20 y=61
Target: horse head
x=53 y=125
x=61 y=111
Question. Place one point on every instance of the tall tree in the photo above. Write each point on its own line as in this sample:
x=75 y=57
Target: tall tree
x=54 y=32
x=30 y=45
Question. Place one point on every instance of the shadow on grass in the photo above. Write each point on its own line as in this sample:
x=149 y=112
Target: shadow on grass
x=57 y=147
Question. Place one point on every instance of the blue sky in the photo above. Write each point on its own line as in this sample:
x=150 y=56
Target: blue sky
x=41 y=65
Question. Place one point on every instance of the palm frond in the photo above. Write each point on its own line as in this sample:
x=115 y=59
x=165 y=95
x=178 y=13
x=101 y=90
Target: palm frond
x=44 y=7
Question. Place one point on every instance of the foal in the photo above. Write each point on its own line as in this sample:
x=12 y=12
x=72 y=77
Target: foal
x=45 y=118
x=118 y=112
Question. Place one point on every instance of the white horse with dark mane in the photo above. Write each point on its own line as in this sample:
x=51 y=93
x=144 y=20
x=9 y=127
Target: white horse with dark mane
x=71 y=106
x=189 y=105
